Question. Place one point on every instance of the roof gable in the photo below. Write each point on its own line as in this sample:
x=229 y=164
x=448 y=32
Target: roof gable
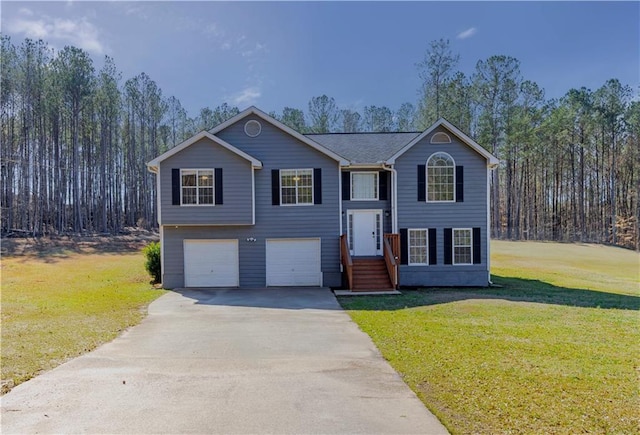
x=259 y=113
x=153 y=164
x=492 y=160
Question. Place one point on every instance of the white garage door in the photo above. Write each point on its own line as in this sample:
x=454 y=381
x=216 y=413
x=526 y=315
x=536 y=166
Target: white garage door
x=293 y=262
x=211 y=263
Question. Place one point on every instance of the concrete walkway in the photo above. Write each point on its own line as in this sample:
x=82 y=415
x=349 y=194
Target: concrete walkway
x=226 y=361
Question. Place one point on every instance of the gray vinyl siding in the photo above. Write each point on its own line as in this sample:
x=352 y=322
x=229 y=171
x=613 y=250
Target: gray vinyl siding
x=276 y=150
x=237 y=190
x=470 y=213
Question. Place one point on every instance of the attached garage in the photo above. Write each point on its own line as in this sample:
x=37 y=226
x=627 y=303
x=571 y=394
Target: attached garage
x=293 y=262
x=211 y=263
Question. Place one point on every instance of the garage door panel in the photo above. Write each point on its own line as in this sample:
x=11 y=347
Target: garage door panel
x=211 y=263
x=293 y=262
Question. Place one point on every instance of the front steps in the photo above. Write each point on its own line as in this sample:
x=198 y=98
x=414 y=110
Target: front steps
x=370 y=274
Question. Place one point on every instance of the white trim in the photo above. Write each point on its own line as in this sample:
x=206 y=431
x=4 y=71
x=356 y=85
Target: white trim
x=376 y=187
x=453 y=247
x=426 y=246
x=257 y=112
x=426 y=180
x=297 y=204
x=195 y=138
x=380 y=240
x=492 y=161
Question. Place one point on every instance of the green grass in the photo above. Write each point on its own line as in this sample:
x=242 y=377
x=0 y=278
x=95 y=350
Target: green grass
x=58 y=306
x=555 y=350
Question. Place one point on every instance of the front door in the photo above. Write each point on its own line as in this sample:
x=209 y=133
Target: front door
x=366 y=232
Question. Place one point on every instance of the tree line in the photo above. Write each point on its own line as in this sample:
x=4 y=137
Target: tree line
x=75 y=142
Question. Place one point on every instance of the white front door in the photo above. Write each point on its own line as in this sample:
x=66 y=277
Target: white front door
x=366 y=228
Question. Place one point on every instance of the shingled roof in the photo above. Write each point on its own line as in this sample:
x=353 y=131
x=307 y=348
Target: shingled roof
x=363 y=148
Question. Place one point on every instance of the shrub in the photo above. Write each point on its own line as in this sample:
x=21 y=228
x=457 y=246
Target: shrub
x=152 y=264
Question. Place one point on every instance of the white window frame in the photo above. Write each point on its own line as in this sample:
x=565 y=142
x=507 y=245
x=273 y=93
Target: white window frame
x=297 y=204
x=454 y=246
x=213 y=187
x=376 y=185
x=453 y=199
x=426 y=246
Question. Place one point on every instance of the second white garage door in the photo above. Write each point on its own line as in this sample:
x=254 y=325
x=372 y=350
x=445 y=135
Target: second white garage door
x=293 y=262
x=211 y=263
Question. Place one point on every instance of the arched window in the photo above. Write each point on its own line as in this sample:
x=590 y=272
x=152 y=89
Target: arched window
x=440 y=137
x=441 y=177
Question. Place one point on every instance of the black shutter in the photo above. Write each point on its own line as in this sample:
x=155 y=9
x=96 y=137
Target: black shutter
x=404 y=246
x=448 y=252
x=477 y=245
x=383 y=182
x=346 y=186
x=275 y=186
x=459 y=183
x=218 y=183
x=175 y=186
x=433 y=250
x=317 y=186
x=422 y=183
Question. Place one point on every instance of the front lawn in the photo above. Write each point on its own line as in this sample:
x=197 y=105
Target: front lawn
x=555 y=350
x=60 y=305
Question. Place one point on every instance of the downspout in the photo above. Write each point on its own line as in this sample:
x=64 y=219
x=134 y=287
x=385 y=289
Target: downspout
x=340 y=197
x=394 y=200
x=340 y=210
x=490 y=168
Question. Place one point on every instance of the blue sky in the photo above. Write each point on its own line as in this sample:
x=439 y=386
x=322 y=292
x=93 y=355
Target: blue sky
x=361 y=53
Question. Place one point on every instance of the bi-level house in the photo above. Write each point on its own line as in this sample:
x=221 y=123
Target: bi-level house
x=253 y=203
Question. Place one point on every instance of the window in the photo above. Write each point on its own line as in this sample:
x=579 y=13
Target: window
x=196 y=186
x=462 y=245
x=417 y=247
x=296 y=186
x=440 y=178
x=364 y=186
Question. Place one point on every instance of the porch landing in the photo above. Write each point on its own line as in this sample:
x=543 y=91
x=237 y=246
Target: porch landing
x=365 y=293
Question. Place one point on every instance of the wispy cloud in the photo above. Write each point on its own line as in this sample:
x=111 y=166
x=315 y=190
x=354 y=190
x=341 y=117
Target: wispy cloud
x=80 y=32
x=254 y=50
x=246 y=97
x=467 y=33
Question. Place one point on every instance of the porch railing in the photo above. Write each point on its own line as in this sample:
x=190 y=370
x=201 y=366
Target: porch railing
x=390 y=259
x=347 y=262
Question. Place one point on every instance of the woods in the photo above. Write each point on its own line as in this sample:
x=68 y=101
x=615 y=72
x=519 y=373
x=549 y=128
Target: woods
x=75 y=142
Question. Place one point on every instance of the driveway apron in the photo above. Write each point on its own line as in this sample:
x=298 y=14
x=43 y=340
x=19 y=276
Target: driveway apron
x=226 y=361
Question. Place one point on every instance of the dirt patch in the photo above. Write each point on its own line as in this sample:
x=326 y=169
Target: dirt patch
x=129 y=240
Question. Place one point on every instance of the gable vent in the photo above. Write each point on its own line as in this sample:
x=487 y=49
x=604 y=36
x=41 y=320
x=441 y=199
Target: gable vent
x=440 y=137
x=252 y=128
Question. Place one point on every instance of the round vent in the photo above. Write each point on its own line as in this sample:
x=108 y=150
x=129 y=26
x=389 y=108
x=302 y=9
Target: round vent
x=252 y=128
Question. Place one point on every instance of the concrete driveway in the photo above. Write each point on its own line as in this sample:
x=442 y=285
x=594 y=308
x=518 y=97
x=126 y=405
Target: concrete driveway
x=226 y=361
